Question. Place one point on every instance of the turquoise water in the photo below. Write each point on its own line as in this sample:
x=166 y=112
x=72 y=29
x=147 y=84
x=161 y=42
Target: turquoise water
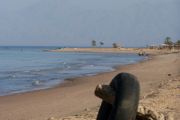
x=31 y=68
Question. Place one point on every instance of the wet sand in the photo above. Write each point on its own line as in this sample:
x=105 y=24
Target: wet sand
x=76 y=95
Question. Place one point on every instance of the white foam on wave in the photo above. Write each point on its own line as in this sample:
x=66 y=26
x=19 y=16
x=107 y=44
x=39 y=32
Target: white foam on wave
x=36 y=83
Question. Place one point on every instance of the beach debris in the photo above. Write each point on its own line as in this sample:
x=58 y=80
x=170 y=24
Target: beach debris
x=145 y=113
x=142 y=53
x=120 y=98
x=169 y=74
x=105 y=92
x=152 y=94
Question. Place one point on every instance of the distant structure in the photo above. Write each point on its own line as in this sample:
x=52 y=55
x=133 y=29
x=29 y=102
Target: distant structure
x=153 y=46
x=177 y=47
x=168 y=44
x=164 y=46
x=115 y=45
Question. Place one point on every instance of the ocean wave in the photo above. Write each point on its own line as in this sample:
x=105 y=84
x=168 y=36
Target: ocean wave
x=44 y=69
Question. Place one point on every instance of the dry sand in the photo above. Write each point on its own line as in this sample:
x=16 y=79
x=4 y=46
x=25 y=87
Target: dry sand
x=158 y=77
x=117 y=50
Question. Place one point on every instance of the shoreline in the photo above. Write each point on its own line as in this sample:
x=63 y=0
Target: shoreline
x=42 y=104
x=147 y=51
x=64 y=81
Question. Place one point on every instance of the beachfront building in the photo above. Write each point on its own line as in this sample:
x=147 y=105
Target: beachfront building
x=164 y=46
x=153 y=46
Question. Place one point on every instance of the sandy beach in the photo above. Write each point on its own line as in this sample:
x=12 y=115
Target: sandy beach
x=159 y=78
x=118 y=50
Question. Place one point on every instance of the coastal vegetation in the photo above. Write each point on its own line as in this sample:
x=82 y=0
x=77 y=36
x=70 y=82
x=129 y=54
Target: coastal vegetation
x=168 y=41
x=167 y=44
x=101 y=43
x=93 y=43
x=115 y=45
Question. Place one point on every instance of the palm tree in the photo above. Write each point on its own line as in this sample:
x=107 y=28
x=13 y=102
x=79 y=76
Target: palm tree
x=115 y=45
x=168 y=41
x=101 y=43
x=93 y=43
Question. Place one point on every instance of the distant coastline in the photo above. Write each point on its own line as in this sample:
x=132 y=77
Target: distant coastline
x=117 y=50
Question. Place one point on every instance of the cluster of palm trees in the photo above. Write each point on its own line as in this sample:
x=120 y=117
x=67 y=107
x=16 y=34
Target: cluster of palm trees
x=94 y=43
x=169 y=42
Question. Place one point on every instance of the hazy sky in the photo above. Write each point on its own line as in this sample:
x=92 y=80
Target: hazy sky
x=77 y=22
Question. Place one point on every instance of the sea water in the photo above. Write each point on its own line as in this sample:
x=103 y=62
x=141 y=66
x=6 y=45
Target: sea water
x=25 y=69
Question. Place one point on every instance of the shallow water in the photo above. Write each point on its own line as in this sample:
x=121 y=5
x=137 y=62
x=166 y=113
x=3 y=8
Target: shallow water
x=31 y=68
